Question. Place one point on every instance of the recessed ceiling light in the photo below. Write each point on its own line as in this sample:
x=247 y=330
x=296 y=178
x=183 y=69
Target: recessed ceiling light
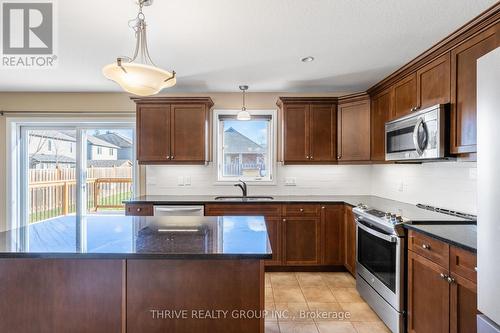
x=307 y=59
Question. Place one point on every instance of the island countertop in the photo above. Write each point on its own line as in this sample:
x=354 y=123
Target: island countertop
x=125 y=237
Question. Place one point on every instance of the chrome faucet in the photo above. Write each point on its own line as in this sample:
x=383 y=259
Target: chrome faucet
x=243 y=187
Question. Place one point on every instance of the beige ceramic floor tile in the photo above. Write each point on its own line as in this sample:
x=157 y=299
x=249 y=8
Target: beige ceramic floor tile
x=292 y=311
x=327 y=311
x=335 y=327
x=310 y=280
x=318 y=294
x=373 y=327
x=359 y=312
x=298 y=327
x=288 y=295
x=284 y=280
x=346 y=295
x=271 y=327
x=269 y=295
x=339 y=280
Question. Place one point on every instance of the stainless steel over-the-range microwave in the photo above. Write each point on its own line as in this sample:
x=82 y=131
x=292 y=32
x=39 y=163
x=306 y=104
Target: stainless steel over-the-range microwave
x=421 y=135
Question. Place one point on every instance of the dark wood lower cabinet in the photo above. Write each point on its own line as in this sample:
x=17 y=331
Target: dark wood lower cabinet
x=442 y=295
x=198 y=287
x=332 y=220
x=273 y=225
x=301 y=240
x=62 y=295
x=428 y=296
x=349 y=240
x=463 y=305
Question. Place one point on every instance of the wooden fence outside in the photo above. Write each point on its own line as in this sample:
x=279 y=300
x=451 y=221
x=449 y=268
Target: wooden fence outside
x=53 y=193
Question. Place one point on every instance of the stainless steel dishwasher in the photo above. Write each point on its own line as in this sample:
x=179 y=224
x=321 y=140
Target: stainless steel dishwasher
x=179 y=210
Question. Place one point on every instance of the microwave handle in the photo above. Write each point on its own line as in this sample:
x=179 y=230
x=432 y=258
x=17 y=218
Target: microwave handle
x=419 y=123
x=389 y=238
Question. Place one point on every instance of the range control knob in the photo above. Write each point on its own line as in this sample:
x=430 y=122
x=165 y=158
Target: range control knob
x=388 y=215
x=399 y=219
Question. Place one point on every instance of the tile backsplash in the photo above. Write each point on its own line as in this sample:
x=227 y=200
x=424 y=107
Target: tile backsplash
x=449 y=185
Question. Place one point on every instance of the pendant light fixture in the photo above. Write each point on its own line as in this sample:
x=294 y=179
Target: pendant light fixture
x=243 y=114
x=138 y=74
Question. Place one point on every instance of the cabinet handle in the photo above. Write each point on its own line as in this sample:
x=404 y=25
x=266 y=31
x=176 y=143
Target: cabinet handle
x=307 y=157
x=168 y=157
x=322 y=207
x=443 y=276
x=139 y=209
x=450 y=280
x=172 y=157
x=311 y=157
x=284 y=220
x=302 y=209
x=426 y=246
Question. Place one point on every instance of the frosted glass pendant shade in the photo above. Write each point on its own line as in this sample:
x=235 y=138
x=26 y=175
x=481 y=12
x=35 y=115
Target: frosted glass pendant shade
x=139 y=79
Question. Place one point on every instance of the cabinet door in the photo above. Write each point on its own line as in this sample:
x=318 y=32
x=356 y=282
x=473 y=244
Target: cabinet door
x=405 y=95
x=296 y=132
x=332 y=218
x=273 y=225
x=189 y=133
x=153 y=133
x=463 y=88
x=323 y=133
x=382 y=112
x=428 y=296
x=433 y=82
x=463 y=306
x=350 y=240
x=301 y=240
x=354 y=131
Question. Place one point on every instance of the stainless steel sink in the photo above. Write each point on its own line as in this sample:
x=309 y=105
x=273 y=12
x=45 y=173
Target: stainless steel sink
x=242 y=198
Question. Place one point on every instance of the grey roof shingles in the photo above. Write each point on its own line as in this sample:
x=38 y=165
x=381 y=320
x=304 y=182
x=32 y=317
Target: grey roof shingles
x=115 y=139
x=235 y=142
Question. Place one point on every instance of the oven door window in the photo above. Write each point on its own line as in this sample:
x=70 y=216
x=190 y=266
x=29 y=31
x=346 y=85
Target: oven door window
x=379 y=257
x=400 y=140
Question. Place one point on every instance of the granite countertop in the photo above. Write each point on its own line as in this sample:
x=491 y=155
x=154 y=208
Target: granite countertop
x=408 y=211
x=123 y=237
x=460 y=235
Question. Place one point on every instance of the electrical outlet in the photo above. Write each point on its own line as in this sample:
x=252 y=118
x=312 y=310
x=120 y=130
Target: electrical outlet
x=401 y=187
x=290 y=181
x=187 y=181
x=180 y=181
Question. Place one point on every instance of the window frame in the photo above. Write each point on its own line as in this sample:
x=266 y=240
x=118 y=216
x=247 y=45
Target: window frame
x=218 y=153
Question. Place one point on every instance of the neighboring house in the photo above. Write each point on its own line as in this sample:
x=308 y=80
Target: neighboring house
x=49 y=148
x=109 y=163
x=98 y=149
x=242 y=155
x=125 y=144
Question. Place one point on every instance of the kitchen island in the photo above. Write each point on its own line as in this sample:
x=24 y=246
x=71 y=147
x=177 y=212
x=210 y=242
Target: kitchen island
x=134 y=274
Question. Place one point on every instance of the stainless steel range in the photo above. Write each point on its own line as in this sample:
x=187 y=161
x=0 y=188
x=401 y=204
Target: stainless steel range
x=380 y=264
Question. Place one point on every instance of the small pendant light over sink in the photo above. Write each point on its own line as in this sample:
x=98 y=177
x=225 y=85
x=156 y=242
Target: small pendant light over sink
x=243 y=114
x=139 y=75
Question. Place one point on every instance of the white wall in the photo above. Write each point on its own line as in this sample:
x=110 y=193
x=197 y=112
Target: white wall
x=310 y=180
x=449 y=185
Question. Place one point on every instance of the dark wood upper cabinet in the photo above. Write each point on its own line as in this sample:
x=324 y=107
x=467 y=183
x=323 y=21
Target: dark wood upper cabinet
x=296 y=133
x=323 y=132
x=433 y=82
x=463 y=88
x=173 y=130
x=428 y=296
x=382 y=112
x=332 y=219
x=349 y=240
x=353 y=129
x=189 y=131
x=153 y=136
x=307 y=130
x=405 y=95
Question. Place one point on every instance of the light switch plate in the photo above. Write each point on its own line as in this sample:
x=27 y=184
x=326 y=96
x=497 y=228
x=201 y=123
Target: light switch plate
x=180 y=181
x=290 y=181
x=187 y=181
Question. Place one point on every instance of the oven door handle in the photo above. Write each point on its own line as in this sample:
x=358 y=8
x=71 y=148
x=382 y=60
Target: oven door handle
x=389 y=238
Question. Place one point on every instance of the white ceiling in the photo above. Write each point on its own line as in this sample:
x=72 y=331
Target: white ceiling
x=216 y=45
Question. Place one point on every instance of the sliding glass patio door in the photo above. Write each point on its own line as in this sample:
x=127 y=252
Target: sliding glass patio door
x=75 y=171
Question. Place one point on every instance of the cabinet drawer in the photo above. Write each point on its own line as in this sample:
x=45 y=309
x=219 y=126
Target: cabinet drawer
x=301 y=210
x=243 y=209
x=463 y=263
x=429 y=248
x=139 y=210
